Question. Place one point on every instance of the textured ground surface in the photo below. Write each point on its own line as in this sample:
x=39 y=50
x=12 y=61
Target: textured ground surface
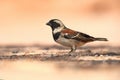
x=37 y=60
x=58 y=53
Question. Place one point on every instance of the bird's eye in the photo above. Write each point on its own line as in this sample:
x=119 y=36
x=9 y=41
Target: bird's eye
x=55 y=24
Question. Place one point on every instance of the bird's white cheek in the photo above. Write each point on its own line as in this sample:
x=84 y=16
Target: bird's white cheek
x=59 y=29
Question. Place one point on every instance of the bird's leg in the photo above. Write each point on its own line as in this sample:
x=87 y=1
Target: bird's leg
x=73 y=48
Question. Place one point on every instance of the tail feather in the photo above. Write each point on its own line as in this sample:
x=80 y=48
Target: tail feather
x=101 y=39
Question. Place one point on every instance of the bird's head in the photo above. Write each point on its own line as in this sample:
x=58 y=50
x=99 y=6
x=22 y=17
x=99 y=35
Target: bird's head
x=55 y=24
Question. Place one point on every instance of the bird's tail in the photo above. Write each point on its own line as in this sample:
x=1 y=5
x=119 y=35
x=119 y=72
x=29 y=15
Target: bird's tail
x=101 y=39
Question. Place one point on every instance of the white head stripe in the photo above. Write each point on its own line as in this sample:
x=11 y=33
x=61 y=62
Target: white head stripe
x=58 y=21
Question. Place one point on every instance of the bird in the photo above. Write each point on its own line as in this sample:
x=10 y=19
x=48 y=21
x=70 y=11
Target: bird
x=68 y=37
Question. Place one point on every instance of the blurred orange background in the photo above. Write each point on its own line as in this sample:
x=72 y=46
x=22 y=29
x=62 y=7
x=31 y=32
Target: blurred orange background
x=23 y=21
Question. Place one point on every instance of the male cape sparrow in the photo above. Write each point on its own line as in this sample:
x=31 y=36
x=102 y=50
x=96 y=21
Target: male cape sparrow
x=68 y=37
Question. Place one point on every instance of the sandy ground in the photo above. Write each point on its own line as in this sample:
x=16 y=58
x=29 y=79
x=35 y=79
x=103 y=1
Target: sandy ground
x=36 y=62
x=58 y=53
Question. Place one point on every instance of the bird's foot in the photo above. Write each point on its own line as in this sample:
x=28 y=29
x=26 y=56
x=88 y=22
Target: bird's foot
x=72 y=54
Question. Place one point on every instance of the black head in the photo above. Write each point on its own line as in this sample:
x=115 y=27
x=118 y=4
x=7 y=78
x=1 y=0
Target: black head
x=55 y=23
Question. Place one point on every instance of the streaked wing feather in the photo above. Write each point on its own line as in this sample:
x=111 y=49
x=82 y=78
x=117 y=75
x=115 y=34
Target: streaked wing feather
x=70 y=34
x=85 y=37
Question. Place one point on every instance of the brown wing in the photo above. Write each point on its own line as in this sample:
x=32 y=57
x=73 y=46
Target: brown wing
x=70 y=34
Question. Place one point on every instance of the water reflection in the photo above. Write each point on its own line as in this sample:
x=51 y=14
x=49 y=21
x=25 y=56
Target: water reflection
x=37 y=70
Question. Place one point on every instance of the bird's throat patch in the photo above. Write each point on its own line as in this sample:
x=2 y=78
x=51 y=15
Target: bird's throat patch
x=56 y=35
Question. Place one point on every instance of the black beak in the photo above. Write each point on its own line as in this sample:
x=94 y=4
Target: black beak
x=48 y=24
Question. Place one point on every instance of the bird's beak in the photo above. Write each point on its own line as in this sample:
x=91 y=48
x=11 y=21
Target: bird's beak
x=48 y=24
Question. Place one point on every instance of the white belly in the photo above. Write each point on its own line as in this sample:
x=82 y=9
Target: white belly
x=69 y=42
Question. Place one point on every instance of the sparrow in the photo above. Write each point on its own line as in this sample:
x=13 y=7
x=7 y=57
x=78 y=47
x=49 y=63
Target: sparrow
x=68 y=37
